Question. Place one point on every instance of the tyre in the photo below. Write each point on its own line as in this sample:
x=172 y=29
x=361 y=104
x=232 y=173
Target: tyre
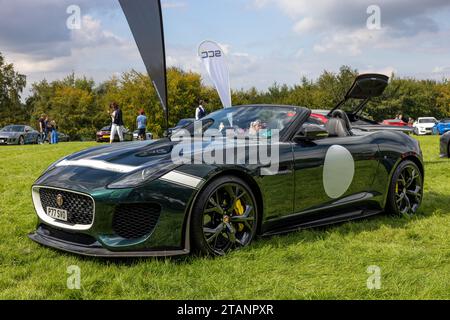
x=224 y=217
x=406 y=190
x=21 y=141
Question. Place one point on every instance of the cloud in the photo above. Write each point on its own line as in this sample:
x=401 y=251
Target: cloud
x=338 y=23
x=173 y=4
x=39 y=28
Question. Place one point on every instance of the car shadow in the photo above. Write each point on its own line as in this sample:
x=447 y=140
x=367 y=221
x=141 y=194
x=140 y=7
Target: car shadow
x=435 y=203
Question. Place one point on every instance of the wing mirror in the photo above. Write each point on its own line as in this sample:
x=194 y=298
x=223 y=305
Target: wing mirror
x=311 y=132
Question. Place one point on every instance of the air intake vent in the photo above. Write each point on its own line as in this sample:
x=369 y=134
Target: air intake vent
x=134 y=221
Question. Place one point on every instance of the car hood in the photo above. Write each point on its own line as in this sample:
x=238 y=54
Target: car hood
x=9 y=134
x=425 y=125
x=95 y=168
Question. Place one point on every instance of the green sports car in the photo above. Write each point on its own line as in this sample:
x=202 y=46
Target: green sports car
x=139 y=199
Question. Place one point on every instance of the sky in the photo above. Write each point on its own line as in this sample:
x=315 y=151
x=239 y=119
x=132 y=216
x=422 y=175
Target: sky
x=265 y=41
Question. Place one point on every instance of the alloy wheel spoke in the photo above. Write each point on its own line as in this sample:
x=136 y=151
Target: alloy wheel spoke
x=215 y=232
x=231 y=232
x=402 y=179
x=407 y=208
x=216 y=205
x=412 y=178
x=415 y=193
x=400 y=197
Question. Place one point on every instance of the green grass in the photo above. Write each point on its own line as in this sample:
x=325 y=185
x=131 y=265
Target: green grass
x=326 y=263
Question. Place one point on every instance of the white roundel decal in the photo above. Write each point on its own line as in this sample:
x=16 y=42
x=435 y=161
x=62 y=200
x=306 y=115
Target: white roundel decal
x=338 y=171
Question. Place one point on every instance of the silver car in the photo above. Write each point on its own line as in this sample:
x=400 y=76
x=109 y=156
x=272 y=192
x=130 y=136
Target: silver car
x=19 y=134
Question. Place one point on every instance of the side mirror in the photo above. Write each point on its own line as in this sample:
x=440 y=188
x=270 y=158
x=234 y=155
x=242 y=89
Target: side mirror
x=310 y=132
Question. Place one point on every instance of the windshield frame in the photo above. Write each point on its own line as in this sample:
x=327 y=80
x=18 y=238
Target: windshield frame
x=290 y=129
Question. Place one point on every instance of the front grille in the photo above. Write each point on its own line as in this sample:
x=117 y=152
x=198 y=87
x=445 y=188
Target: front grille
x=133 y=221
x=80 y=208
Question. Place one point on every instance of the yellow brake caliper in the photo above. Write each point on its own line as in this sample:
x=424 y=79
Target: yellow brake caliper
x=239 y=210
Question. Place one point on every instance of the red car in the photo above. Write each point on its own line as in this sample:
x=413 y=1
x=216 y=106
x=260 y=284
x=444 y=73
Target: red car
x=105 y=133
x=321 y=115
x=395 y=123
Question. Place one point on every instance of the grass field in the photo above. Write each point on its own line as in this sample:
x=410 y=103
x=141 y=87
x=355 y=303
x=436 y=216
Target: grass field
x=326 y=263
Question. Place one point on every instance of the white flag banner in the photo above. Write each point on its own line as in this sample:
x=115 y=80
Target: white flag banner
x=214 y=60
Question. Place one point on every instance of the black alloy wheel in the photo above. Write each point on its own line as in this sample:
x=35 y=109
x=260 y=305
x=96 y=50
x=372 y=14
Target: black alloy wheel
x=406 y=189
x=224 y=217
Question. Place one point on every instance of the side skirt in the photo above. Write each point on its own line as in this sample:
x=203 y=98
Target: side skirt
x=348 y=216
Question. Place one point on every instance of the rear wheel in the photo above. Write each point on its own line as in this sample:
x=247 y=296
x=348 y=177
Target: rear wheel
x=21 y=141
x=224 y=217
x=406 y=190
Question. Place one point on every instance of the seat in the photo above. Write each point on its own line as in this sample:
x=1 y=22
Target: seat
x=339 y=125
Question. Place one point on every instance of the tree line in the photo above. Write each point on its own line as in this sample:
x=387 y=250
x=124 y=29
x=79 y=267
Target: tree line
x=80 y=106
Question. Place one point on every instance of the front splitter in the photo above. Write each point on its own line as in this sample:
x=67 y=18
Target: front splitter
x=98 y=251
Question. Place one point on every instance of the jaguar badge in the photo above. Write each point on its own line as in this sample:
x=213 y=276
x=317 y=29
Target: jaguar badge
x=59 y=200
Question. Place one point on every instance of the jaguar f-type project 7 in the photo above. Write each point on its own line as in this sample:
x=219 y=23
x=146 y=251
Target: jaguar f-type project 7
x=133 y=199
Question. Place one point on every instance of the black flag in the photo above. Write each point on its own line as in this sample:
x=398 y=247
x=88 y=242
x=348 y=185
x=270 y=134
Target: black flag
x=146 y=23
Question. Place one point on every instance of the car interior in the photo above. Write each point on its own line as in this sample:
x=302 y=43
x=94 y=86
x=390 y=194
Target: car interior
x=339 y=125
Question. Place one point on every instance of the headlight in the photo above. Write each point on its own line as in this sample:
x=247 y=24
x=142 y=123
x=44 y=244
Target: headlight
x=144 y=175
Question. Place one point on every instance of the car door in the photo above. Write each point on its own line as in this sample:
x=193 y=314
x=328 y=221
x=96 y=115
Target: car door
x=29 y=135
x=333 y=170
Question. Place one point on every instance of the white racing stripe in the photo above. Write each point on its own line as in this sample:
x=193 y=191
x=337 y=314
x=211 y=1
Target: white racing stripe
x=98 y=164
x=182 y=179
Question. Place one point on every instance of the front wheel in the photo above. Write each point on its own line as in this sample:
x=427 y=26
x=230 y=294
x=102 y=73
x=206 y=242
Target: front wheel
x=21 y=141
x=224 y=217
x=406 y=189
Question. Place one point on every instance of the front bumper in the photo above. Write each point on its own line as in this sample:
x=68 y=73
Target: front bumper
x=167 y=237
x=8 y=141
x=52 y=238
x=424 y=131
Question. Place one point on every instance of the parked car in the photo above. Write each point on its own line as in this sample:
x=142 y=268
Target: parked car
x=395 y=123
x=62 y=137
x=181 y=124
x=19 y=134
x=445 y=145
x=149 y=135
x=137 y=201
x=424 y=125
x=104 y=135
x=321 y=115
x=442 y=127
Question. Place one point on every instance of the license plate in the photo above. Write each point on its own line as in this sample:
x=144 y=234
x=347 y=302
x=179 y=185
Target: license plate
x=106 y=137
x=58 y=214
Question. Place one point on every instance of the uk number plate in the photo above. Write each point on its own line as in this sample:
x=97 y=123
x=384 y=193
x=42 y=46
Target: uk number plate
x=58 y=214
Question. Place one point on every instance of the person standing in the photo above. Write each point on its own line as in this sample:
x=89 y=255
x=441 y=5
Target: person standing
x=42 y=127
x=141 y=121
x=54 y=132
x=117 y=122
x=46 y=130
x=200 y=112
